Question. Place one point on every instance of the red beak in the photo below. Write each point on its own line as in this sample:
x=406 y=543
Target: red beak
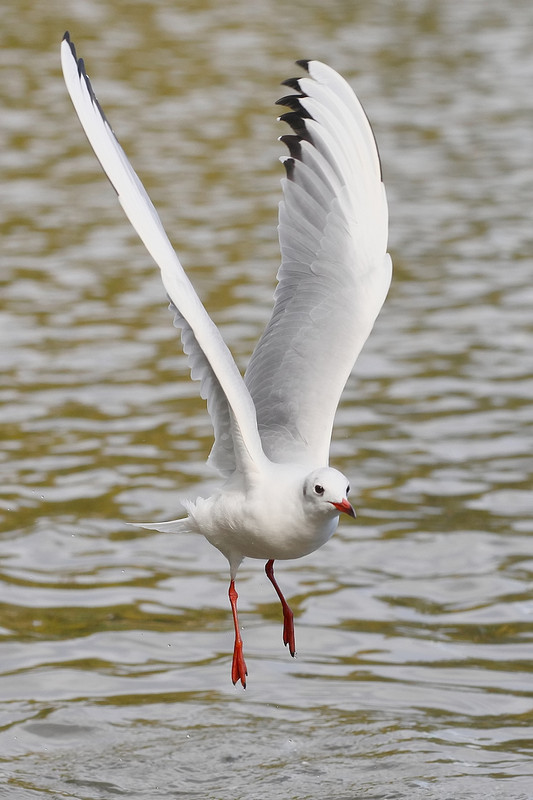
x=346 y=507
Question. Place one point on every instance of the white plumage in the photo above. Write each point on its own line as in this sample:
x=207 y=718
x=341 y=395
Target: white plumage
x=280 y=499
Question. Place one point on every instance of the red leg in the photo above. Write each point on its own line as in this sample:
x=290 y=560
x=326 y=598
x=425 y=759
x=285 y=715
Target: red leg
x=288 y=617
x=238 y=668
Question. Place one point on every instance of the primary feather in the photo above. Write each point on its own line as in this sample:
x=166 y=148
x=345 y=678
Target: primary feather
x=335 y=270
x=228 y=399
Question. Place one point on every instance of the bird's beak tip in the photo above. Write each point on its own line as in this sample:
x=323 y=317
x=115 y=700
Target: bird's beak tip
x=346 y=507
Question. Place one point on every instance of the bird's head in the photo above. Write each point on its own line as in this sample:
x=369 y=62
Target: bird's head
x=326 y=491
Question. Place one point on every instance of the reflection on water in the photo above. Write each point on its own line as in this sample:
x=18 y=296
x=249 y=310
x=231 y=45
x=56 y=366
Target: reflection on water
x=413 y=676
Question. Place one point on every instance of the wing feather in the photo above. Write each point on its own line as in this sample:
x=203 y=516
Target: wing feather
x=335 y=271
x=222 y=455
x=229 y=402
x=333 y=278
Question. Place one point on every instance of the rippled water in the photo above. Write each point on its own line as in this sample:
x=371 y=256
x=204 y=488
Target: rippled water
x=414 y=625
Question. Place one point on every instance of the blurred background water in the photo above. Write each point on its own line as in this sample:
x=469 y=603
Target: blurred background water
x=414 y=625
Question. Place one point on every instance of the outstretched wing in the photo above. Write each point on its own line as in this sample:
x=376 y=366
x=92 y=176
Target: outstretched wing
x=229 y=402
x=335 y=271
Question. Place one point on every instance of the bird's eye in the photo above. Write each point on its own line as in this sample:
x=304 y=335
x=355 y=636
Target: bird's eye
x=319 y=489
x=347 y=490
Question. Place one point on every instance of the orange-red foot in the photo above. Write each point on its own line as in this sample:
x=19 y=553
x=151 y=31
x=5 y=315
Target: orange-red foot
x=288 y=616
x=238 y=667
x=288 y=630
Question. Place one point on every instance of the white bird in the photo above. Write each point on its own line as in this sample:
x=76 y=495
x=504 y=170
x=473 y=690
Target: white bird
x=280 y=499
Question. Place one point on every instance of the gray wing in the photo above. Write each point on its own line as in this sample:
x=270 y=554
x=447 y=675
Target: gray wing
x=229 y=402
x=222 y=456
x=335 y=271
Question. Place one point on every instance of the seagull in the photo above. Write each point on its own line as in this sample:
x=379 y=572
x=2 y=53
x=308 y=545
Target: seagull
x=278 y=497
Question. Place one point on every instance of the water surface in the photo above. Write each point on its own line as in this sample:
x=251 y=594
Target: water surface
x=413 y=677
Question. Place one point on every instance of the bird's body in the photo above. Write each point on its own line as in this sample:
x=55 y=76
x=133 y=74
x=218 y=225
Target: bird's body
x=266 y=517
x=280 y=499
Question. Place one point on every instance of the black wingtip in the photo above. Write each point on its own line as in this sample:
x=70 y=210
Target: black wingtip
x=303 y=63
x=68 y=40
x=288 y=163
x=294 y=145
x=296 y=118
x=292 y=101
x=83 y=74
x=79 y=61
x=294 y=84
x=297 y=123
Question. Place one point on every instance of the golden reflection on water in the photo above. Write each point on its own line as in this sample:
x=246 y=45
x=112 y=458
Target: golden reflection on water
x=413 y=625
